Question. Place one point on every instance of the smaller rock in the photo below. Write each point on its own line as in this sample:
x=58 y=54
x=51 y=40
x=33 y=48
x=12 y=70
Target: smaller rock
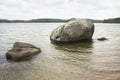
x=102 y=39
x=21 y=51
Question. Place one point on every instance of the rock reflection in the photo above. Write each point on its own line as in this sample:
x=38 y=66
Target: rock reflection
x=76 y=53
x=81 y=46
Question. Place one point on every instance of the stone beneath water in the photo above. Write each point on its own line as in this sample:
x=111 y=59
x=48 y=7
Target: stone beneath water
x=21 y=51
x=74 y=30
x=102 y=39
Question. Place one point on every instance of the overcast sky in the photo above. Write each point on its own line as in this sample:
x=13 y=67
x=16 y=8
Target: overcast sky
x=29 y=9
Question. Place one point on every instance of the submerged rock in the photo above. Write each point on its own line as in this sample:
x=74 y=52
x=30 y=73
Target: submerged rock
x=21 y=51
x=102 y=39
x=74 y=30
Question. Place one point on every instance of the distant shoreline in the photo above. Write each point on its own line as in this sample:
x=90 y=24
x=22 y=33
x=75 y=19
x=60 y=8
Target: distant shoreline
x=50 y=20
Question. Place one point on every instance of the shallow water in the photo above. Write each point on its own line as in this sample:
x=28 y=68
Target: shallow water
x=95 y=60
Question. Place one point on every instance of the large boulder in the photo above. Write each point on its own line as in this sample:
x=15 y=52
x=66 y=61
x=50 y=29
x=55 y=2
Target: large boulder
x=74 y=30
x=21 y=51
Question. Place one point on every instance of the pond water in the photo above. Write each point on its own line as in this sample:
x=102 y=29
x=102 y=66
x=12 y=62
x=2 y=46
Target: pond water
x=95 y=60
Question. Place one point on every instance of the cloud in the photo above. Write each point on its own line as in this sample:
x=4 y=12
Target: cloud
x=28 y=9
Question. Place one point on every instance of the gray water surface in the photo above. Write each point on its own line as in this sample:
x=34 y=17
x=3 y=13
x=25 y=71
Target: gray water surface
x=93 y=60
